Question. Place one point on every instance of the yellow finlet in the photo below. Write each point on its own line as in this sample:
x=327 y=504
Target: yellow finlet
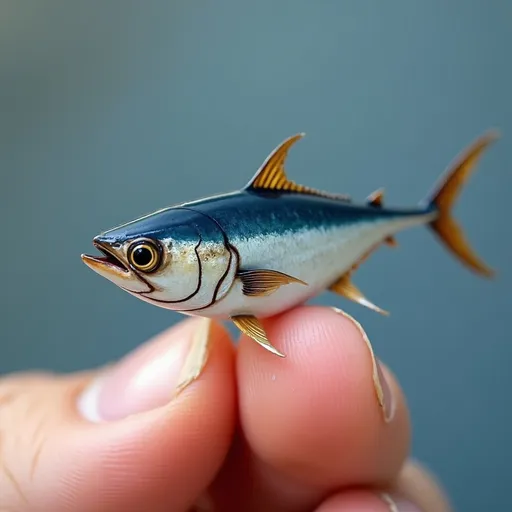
x=391 y=241
x=376 y=198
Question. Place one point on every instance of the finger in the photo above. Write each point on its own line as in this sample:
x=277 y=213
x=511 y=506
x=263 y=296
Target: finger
x=149 y=433
x=312 y=420
x=416 y=491
x=418 y=485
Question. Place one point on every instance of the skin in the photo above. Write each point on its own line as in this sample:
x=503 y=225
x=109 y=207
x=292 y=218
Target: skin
x=249 y=432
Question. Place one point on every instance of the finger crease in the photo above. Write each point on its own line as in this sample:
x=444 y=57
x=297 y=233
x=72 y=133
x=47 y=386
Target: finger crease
x=10 y=476
x=38 y=434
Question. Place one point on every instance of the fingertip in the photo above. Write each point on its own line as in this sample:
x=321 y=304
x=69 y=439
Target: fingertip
x=168 y=454
x=159 y=372
x=358 y=501
x=315 y=415
x=416 y=490
x=417 y=483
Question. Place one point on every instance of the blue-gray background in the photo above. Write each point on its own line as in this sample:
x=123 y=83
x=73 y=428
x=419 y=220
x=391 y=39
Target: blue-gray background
x=111 y=110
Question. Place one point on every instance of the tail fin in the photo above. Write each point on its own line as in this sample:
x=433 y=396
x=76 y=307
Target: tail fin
x=443 y=198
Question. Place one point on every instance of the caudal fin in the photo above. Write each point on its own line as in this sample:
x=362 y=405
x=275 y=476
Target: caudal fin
x=442 y=200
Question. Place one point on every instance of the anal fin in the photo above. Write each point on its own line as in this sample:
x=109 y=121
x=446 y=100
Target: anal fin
x=262 y=282
x=252 y=327
x=344 y=287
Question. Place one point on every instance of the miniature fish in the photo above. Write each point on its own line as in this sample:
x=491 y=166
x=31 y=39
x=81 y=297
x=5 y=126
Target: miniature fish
x=272 y=245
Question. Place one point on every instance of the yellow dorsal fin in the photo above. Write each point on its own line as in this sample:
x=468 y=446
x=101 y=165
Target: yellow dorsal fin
x=376 y=198
x=272 y=175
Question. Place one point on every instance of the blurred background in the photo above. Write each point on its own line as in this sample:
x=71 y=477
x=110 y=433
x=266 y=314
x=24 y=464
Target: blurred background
x=110 y=110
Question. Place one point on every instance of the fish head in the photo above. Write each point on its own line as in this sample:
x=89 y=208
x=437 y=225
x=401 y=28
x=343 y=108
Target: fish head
x=153 y=257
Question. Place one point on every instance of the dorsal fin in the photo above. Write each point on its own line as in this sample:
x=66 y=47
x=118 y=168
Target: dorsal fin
x=272 y=175
x=376 y=198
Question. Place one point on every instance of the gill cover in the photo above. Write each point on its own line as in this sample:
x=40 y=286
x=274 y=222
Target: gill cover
x=197 y=265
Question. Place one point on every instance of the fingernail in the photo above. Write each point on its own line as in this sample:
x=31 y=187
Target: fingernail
x=382 y=389
x=149 y=377
x=196 y=357
x=398 y=504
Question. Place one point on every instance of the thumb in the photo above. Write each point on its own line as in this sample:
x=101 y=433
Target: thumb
x=148 y=433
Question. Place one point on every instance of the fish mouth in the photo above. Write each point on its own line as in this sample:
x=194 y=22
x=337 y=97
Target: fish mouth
x=108 y=260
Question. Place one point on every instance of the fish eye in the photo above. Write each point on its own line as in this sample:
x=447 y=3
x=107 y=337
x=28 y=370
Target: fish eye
x=144 y=256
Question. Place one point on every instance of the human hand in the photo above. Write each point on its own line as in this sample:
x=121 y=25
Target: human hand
x=247 y=431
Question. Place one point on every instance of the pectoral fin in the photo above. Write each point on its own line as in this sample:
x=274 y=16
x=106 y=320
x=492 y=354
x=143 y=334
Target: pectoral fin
x=262 y=282
x=252 y=327
x=347 y=289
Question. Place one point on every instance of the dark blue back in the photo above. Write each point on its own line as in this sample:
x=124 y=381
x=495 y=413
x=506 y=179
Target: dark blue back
x=246 y=214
